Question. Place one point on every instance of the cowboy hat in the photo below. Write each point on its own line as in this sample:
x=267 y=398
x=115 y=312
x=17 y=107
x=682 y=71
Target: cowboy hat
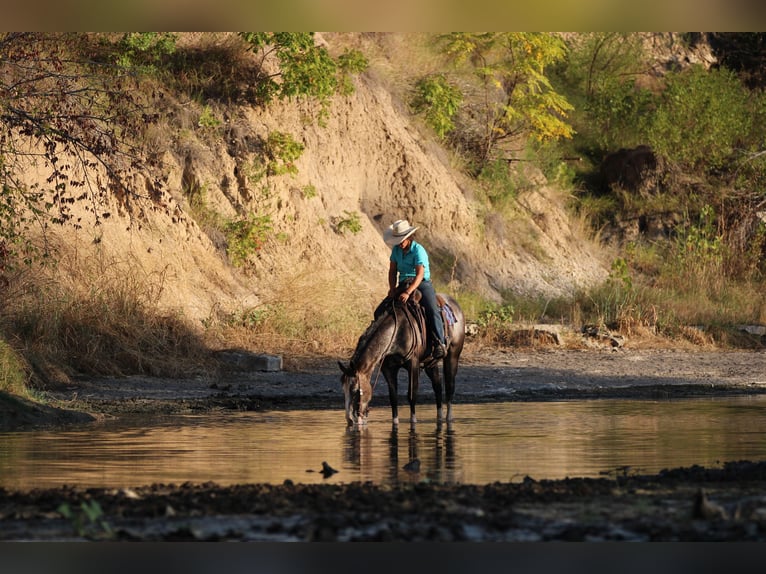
x=398 y=232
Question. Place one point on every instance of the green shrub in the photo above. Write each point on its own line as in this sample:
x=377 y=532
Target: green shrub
x=702 y=116
x=282 y=151
x=246 y=236
x=438 y=101
x=144 y=51
x=350 y=222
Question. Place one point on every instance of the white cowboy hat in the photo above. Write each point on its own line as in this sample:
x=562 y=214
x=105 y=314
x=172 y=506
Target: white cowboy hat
x=398 y=232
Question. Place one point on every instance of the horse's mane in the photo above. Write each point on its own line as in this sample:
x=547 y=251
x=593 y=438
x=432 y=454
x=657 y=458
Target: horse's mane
x=365 y=337
x=385 y=310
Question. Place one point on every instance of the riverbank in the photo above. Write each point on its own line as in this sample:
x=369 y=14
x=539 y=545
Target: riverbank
x=688 y=504
x=485 y=375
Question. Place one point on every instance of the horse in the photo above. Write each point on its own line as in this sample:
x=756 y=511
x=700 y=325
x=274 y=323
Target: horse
x=397 y=339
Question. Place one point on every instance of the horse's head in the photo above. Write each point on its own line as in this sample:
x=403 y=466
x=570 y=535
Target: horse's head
x=357 y=391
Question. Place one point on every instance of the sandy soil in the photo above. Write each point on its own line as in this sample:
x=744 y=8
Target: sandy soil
x=726 y=503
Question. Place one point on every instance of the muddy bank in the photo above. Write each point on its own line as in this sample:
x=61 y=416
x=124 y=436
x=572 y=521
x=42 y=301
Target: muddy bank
x=722 y=504
x=485 y=375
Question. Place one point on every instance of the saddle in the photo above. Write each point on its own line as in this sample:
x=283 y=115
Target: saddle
x=417 y=310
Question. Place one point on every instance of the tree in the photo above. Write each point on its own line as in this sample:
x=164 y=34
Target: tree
x=599 y=75
x=517 y=97
x=67 y=115
x=303 y=68
x=438 y=101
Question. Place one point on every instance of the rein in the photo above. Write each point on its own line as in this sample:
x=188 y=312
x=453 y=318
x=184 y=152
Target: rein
x=391 y=342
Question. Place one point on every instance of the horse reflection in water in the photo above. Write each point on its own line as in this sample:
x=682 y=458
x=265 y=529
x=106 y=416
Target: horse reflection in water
x=430 y=455
x=397 y=339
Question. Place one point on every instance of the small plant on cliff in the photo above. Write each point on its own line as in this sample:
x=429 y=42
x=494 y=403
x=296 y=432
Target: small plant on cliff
x=282 y=151
x=246 y=236
x=349 y=222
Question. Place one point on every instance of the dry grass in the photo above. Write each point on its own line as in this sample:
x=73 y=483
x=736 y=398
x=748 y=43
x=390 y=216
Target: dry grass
x=104 y=322
x=14 y=375
x=310 y=314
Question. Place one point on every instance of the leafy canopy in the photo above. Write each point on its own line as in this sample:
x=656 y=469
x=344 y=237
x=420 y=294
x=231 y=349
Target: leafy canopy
x=701 y=117
x=510 y=68
x=304 y=68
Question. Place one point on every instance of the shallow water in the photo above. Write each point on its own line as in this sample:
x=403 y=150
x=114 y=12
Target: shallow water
x=486 y=443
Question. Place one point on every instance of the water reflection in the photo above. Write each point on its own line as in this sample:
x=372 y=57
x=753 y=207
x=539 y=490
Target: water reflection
x=487 y=443
x=429 y=455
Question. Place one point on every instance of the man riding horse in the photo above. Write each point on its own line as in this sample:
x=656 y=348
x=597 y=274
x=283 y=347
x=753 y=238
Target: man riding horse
x=409 y=270
x=398 y=336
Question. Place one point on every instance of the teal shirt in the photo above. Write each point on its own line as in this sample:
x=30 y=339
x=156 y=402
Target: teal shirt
x=406 y=262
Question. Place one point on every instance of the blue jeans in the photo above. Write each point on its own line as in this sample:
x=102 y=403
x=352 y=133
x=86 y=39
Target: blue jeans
x=433 y=314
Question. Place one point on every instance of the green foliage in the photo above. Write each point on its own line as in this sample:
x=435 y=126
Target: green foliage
x=495 y=315
x=305 y=69
x=438 y=102
x=701 y=117
x=599 y=77
x=596 y=60
x=349 y=222
x=246 y=236
x=208 y=119
x=619 y=275
x=350 y=62
x=144 y=51
x=519 y=99
x=700 y=246
x=282 y=151
x=88 y=520
x=618 y=109
x=499 y=183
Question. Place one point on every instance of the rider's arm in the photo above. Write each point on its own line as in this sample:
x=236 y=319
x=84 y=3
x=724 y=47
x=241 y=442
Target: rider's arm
x=420 y=271
x=392 y=273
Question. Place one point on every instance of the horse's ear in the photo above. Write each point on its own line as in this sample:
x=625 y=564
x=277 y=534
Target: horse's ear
x=346 y=370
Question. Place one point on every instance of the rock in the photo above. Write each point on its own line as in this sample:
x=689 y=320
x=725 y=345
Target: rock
x=327 y=470
x=759 y=330
x=241 y=360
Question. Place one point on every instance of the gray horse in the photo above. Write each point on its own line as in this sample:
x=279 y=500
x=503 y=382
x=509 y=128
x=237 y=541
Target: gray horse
x=397 y=337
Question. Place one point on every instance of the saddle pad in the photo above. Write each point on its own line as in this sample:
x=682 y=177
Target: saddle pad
x=449 y=314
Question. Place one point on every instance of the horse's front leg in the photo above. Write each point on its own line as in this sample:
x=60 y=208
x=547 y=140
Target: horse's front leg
x=390 y=373
x=413 y=370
